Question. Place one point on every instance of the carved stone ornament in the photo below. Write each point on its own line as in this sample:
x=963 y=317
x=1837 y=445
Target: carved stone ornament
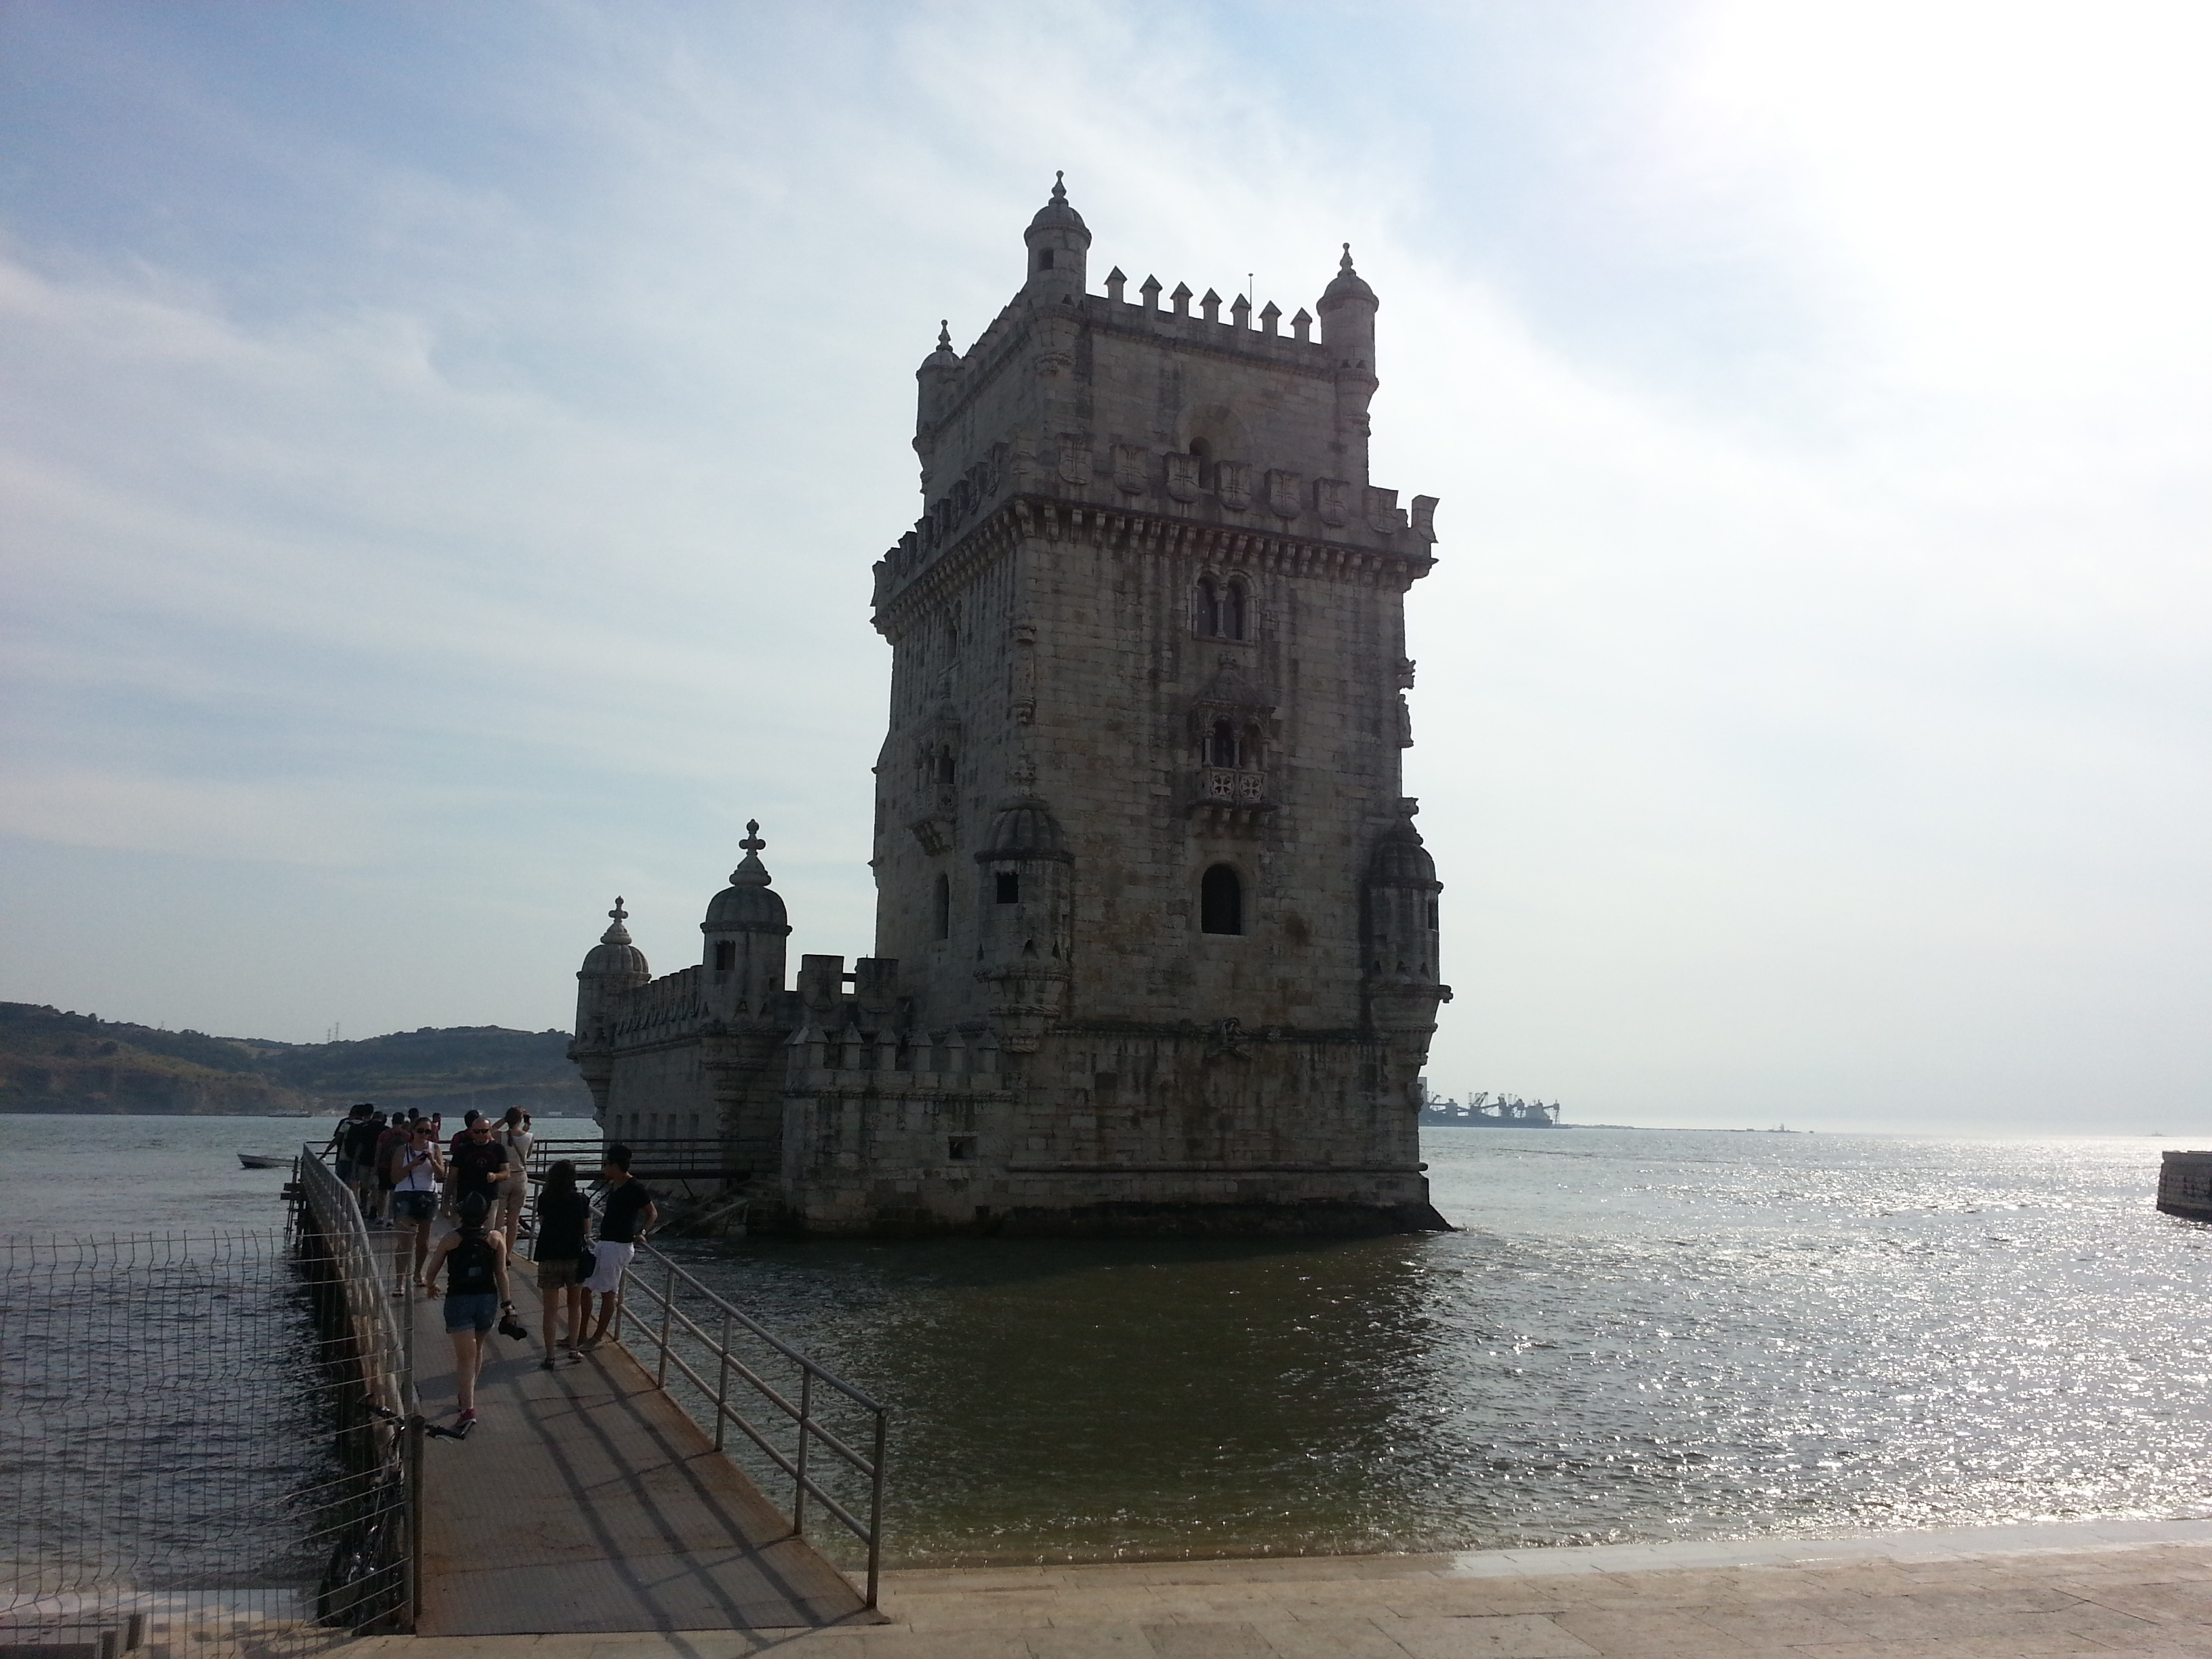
x=1328 y=500
x=932 y=834
x=1283 y=493
x=1237 y=485
x=1129 y=469
x=1383 y=513
x=1183 y=476
x=1074 y=458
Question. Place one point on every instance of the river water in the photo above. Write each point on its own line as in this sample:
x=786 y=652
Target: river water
x=1636 y=1335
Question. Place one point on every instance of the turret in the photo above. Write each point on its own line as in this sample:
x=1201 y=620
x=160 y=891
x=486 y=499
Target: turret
x=1059 y=245
x=1401 y=935
x=612 y=967
x=935 y=380
x=741 y=967
x=1027 y=932
x=1347 y=329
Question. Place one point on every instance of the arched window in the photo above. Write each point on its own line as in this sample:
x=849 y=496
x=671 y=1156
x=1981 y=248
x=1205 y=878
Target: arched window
x=725 y=955
x=1208 y=608
x=942 y=900
x=1221 y=744
x=1233 y=607
x=1221 y=902
x=947 y=773
x=1204 y=451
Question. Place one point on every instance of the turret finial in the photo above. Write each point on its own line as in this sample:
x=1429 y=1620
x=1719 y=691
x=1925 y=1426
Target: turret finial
x=1344 y=263
x=1059 y=186
x=945 y=334
x=615 y=934
x=618 y=913
x=751 y=843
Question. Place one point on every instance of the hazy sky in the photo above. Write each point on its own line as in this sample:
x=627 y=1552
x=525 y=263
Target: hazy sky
x=442 y=449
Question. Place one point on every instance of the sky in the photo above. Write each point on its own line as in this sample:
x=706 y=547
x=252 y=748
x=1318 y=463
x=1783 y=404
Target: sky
x=442 y=450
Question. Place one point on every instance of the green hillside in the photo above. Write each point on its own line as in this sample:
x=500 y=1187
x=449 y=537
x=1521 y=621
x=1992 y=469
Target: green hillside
x=56 y=1061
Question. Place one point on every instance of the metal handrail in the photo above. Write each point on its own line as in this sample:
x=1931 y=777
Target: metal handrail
x=811 y=1430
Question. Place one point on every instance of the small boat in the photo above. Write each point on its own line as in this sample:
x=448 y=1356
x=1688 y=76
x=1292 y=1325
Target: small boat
x=257 y=1161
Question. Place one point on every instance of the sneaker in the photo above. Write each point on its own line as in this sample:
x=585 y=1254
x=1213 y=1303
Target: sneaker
x=466 y=1419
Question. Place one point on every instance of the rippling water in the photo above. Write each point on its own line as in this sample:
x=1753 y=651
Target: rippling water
x=1638 y=1334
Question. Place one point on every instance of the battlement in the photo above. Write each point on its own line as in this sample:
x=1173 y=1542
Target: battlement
x=817 y=1060
x=667 y=1007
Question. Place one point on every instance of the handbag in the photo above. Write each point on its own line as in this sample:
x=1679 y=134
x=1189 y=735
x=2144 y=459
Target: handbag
x=588 y=1262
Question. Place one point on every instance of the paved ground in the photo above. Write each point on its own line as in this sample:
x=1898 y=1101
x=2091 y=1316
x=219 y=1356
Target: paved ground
x=585 y=1501
x=2141 y=1589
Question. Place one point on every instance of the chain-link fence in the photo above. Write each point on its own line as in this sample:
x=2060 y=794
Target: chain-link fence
x=203 y=1444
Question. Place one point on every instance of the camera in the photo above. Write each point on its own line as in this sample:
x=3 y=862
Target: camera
x=509 y=1326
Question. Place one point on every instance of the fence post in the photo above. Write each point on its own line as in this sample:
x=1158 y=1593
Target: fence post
x=805 y=1433
x=876 y=1503
x=722 y=1384
x=667 y=1315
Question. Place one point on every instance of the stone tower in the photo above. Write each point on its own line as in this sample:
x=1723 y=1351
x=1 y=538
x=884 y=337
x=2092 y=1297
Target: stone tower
x=1156 y=941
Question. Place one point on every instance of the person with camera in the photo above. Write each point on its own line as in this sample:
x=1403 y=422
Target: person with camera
x=474 y=1260
x=418 y=1170
x=480 y=1165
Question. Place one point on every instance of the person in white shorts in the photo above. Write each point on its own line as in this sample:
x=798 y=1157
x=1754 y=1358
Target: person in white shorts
x=513 y=1133
x=625 y=1222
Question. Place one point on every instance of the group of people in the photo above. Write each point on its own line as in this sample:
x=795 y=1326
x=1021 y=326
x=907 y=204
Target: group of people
x=481 y=1181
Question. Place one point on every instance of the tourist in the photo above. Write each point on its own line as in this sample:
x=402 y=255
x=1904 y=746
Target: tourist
x=341 y=1147
x=479 y=1165
x=467 y=1118
x=360 y=1153
x=627 y=1219
x=564 y=1217
x=474 y=1261
x=513 y=1133
x=389 y=1145
x=418 y=1172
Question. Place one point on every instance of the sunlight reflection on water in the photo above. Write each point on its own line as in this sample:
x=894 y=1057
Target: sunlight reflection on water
x=1639 y=1335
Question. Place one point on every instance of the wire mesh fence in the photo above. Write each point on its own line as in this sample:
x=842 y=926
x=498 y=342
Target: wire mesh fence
x=197 y=1454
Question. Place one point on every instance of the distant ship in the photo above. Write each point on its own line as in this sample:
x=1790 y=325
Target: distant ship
x=1483 y=1112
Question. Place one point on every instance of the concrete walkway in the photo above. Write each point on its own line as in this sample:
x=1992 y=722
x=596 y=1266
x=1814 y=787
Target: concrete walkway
x=2137 y=1589
x=586 y=1501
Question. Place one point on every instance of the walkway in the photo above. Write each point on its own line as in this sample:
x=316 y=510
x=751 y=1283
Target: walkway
x=586 y=1501
x=2143 y=1589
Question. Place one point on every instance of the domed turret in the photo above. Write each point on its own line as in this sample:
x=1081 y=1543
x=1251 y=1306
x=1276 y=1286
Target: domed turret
x=1024 y=828
x=748 y=904
x=745 y=927
x=1347 y=329
x=1059 y=244
x=1401 y=860
x=614 y=957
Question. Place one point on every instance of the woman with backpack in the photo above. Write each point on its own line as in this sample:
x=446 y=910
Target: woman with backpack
x=474 y=1261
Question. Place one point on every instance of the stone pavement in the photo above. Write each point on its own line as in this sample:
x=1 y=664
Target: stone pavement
x=586 y=1501
x=2140 y=1589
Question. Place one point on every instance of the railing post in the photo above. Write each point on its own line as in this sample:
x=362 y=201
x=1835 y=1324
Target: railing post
x=667 y=1314
x=723 y=1383
x=805 y=1433
x=876 y=1503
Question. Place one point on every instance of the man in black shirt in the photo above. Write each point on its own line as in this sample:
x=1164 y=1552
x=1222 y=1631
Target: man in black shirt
x=479 y=1166
x=628 y=1216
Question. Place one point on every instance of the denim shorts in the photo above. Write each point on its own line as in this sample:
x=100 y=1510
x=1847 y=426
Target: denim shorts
x=414 y=1206
x=473 y=1313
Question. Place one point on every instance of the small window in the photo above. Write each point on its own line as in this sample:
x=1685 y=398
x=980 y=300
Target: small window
x=1009 y=887
x=942 y=902
x=1221 y=902
x=960 y=1149
x=1233 y=607
x=1204 y=451
x=1044 y=259
x=1206 y=611
x=1432 y=915
x=725 y=955
x=947 y=770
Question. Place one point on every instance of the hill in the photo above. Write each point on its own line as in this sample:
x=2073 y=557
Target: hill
x=56 y=1061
